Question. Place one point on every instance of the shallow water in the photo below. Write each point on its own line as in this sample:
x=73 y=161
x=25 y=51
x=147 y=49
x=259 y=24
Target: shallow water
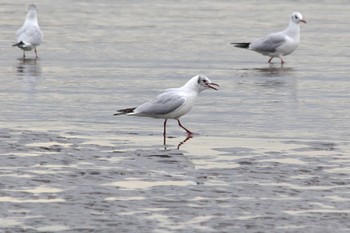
x=272 y=150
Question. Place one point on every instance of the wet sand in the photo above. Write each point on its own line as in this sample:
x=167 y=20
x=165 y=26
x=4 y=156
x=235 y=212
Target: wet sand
x=71 y=183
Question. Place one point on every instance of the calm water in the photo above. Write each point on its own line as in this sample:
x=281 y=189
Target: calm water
x=268 y=127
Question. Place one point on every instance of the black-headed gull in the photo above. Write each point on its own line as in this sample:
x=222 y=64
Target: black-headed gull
x=173 y=103
x=277 y=44
x=29 y=36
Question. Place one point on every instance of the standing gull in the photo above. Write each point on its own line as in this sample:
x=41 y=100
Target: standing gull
x=173 y=103
x=277 y=44
x=29 y=36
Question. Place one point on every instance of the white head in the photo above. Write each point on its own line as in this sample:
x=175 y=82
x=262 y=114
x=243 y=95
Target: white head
x=296 y=18
x=203 y=83
x=32 y=7
x=32 y=11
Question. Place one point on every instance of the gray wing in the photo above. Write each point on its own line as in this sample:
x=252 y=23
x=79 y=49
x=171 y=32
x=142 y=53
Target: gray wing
x=30 y=35
x=164 y=103
x=268 y=44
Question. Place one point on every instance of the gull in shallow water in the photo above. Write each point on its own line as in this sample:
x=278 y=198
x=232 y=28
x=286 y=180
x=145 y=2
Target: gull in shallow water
x=277 y=44
x=173 y=103
x=29 y=36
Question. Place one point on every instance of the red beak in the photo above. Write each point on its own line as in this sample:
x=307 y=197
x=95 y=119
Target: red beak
x=211 y=85
x=302 y=21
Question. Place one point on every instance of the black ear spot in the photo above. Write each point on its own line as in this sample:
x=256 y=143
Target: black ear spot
x=199 y=80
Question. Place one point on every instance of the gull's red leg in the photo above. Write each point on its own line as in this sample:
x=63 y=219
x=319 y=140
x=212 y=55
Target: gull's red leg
x=282 y=62
x=164 y=132
x=189 y=132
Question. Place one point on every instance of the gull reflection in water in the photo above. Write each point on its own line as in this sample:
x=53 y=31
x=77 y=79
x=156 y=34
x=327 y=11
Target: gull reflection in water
x=29 y=70
x=271 y=71
x=28 y=67
x=188 y=137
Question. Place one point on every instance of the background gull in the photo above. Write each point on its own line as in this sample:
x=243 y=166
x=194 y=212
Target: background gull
x=173 y=103
x=29 y=36
x=278 y=44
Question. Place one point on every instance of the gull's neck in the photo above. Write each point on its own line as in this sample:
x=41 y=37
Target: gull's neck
x=191 y=85
x=31 y=18
x=293 y=31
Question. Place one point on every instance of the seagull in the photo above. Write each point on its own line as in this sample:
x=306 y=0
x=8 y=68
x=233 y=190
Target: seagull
x=280 y=43
x=29 y=36
x=173 y=103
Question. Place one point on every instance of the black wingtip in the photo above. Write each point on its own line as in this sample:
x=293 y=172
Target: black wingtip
x=19 y=44
x=124 y=111
x=241 y=45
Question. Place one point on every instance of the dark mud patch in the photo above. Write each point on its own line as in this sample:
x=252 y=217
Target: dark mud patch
x=54 y=182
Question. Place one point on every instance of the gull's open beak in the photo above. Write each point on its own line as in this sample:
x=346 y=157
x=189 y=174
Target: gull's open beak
x=302 y=21
x=211 y=85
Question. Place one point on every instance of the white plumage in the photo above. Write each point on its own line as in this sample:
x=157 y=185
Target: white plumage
x=29 y=36
x=173 y=103
x=277 y=44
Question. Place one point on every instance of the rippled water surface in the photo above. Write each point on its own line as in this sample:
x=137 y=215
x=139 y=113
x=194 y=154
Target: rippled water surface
x=272 y=150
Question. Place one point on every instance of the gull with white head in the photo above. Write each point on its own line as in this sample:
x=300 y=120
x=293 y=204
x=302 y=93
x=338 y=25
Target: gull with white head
x=173 y=103
x=277 y=44
x=29 y=36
